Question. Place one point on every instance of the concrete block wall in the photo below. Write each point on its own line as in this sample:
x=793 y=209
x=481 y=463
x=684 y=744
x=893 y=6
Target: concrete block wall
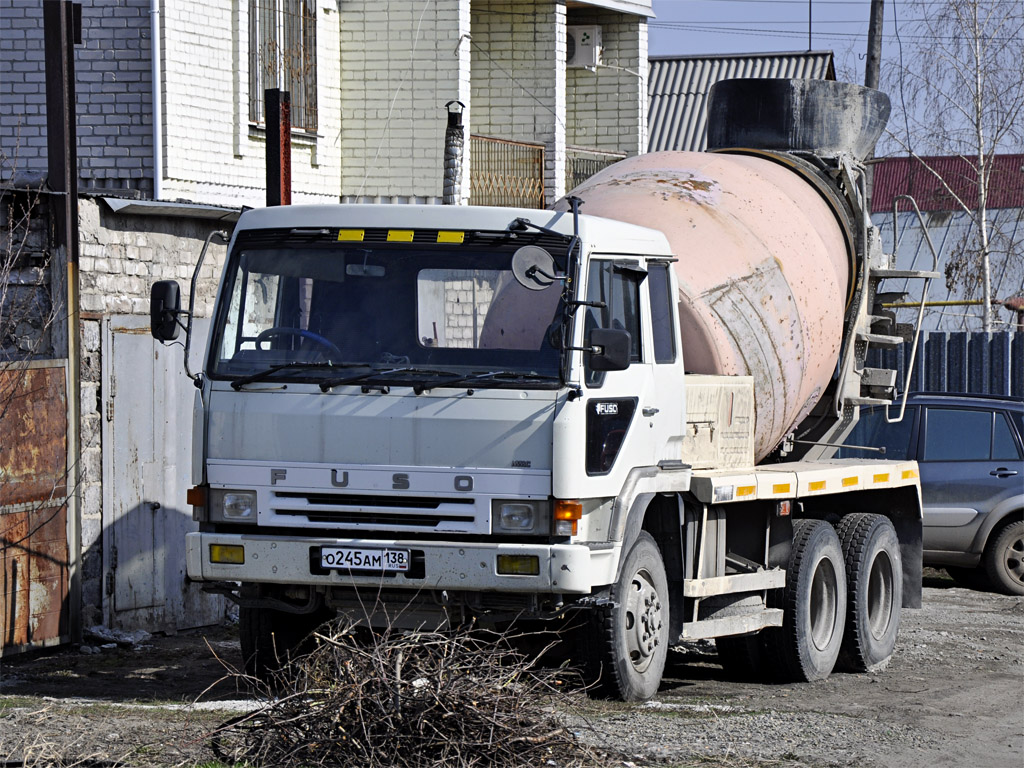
x=401 y=61
x=113 y=89
x=518 y=79
x=120 y=258
x=212 y=153
x=607 y=109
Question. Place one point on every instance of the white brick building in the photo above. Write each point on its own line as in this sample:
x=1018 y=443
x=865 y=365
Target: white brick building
x=369 y=82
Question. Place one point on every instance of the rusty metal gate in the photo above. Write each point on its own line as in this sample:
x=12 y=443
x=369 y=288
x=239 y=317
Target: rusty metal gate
x=147 y=442
x=34 y=563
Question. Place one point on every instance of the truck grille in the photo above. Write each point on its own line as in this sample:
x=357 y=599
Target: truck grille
x=380 y=512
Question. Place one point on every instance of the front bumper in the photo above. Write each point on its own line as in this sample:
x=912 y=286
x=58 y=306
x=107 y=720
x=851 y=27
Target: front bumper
x=464 y=566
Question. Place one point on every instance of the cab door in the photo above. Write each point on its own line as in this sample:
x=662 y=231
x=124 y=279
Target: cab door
x=621 y=407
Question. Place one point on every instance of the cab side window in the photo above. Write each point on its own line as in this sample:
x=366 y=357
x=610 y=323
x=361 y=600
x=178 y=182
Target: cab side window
x=617 y=287
x=661 y=313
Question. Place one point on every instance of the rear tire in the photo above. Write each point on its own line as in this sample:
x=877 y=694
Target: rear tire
x=874 y=576
x=806 y=646
x=1004 y=559
x=628 y=643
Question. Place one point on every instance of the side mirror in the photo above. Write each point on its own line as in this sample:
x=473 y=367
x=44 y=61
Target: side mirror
x=164 y=308
x=609 y=349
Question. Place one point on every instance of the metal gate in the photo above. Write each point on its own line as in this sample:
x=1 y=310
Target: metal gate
x=147 y=441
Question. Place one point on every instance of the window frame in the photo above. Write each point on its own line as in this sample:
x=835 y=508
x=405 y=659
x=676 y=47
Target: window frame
x=294 y=29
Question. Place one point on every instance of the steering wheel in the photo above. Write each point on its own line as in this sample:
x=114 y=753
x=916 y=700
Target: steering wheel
x=300 y=332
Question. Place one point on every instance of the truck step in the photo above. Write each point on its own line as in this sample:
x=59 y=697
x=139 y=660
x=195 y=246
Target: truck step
x=738 y=582
x=867 y=401
x=878 y=377
x=732 y=625
x=880 y=339
x=882 y=274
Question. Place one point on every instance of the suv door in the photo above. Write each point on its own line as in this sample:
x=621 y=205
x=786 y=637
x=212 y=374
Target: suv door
x=970 y=461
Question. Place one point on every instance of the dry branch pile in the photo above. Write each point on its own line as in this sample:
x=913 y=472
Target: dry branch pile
x=405 y=699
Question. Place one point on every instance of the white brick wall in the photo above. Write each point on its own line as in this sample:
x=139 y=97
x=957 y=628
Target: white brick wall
x=400 y=63
x=607 y=109
x=518 y=78
x=212 y=154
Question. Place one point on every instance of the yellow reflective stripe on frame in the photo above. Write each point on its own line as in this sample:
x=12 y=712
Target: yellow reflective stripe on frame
x=351 y=235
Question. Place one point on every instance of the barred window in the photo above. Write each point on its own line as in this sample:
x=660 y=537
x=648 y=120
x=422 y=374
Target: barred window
x=282 y=54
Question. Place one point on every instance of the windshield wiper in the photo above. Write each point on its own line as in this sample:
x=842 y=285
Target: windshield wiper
x=269 y=372
x=331 y=383
x=484 y=377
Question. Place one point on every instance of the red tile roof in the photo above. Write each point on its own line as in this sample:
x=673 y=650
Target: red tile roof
x=905 y=175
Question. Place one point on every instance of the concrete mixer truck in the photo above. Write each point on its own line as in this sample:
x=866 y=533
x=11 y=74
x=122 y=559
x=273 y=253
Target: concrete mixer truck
x=616 y=414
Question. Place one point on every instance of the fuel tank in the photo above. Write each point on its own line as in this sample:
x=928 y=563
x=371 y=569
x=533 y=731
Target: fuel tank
x=765 y=243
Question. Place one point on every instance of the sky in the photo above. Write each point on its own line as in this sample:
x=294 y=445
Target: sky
x=683 y=27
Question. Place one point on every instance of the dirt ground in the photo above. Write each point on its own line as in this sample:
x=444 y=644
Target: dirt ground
x=952 y=696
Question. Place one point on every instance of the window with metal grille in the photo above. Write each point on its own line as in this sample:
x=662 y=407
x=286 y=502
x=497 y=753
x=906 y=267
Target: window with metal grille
x=282 y=54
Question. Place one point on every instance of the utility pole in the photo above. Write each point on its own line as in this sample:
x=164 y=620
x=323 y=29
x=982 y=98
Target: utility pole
x=874 y=60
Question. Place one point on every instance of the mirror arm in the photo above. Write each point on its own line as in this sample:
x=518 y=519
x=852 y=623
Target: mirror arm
x=223 y=237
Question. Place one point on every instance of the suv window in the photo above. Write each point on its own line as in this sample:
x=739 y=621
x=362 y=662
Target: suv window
x=1003 y=444
x=873 y=430
x=954 y=434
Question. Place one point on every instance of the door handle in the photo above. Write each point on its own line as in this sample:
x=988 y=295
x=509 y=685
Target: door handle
x=1003 y=472
x=649 y=411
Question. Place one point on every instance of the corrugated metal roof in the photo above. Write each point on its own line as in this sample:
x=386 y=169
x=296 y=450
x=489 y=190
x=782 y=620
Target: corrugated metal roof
x=909 y=176
x=678 y=86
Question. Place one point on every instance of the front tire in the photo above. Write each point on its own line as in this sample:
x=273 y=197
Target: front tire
x=269 y=638
x=629 y=644
x=874 y=575
x=1004 y=559
x=806 y=646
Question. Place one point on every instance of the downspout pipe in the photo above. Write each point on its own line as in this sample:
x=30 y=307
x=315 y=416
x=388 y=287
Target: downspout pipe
x=158 y=118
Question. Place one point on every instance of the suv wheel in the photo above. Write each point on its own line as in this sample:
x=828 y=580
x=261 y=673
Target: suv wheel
x=1004 y=559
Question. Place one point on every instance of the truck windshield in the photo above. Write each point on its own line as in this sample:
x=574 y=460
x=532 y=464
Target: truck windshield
x=387 y=313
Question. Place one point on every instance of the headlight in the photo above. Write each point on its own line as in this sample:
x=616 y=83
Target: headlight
x=526 y=518
x=233 y=506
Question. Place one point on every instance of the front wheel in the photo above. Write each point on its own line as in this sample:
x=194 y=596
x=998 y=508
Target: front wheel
x=874 y=574
x=270 y=638
x=629 y=644
x=1004 y=559
x=813 y=604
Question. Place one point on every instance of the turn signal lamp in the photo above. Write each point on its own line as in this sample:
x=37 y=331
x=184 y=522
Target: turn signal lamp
x=233 y=554
x=518 y=565
x=566 y=517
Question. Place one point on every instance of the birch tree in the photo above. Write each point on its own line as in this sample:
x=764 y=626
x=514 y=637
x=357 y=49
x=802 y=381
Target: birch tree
x=958 y=89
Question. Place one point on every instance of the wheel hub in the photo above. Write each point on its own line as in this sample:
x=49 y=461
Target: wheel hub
x=644 y=620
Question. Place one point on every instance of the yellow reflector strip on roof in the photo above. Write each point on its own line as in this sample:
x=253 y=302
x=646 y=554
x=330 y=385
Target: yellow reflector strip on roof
x=780 y=488
x=451 y=237
x=746 y=490
x=399 y=235
x=351 y=235
x=882 y=478
x=909 y=473
x=817 y=485
x=848 y=481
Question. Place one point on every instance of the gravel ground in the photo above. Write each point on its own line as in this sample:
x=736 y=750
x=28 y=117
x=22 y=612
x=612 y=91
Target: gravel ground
x=951 y=697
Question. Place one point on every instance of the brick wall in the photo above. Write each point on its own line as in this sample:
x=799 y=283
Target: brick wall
x=113 y=89
x=400 y=63
x=211 y=153
x=518 y=79
x=120 y=258
x=607 y=109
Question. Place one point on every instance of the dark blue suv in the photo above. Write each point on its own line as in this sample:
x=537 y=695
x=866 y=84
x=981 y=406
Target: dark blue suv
x=971 y=455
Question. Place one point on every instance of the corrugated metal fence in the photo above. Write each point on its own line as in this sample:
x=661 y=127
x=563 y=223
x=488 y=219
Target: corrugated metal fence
x=959 y=362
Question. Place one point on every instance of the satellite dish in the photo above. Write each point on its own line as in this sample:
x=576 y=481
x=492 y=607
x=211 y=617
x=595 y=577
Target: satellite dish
x=534 y=268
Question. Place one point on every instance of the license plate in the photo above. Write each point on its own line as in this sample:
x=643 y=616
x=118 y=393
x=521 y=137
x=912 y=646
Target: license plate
x=364 y=559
